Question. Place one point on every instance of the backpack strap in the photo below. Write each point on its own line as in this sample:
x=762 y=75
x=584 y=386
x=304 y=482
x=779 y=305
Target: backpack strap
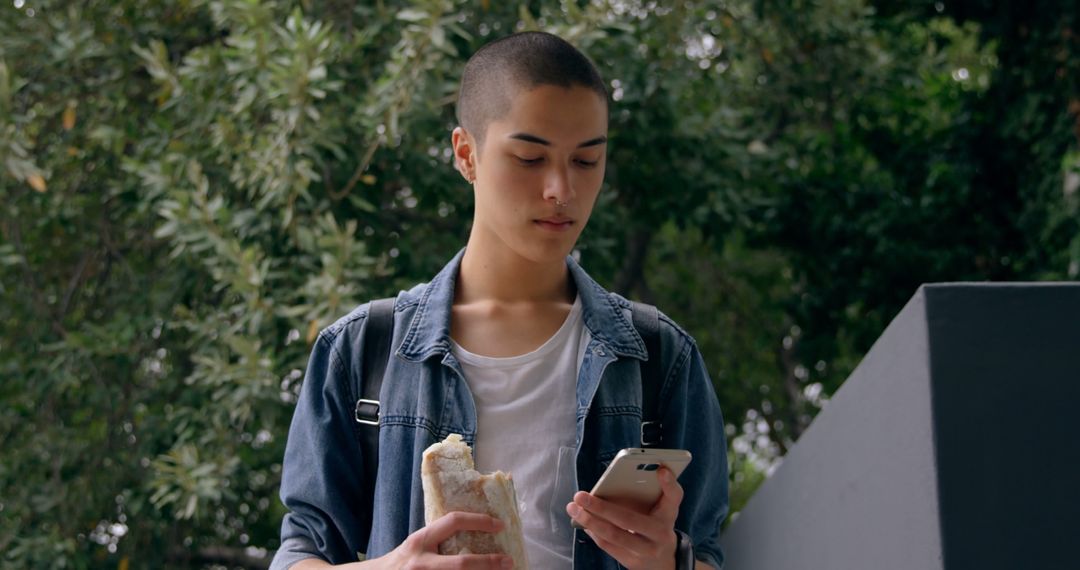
x=376 y=352
x=647 y=323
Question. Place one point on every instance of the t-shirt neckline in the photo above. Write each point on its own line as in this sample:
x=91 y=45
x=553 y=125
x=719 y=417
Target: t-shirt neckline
x=572 y=318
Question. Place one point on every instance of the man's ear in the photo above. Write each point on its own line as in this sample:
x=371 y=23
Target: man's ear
x=464 y=153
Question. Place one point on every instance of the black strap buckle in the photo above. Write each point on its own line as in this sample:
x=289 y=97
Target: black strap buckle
x=651 y=434
x=367 y=412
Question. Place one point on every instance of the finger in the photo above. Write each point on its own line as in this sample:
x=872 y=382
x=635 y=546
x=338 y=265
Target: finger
x=627 y=538
x=667 y=507
x=622 y=517
x=452 y=523
x=624 y=556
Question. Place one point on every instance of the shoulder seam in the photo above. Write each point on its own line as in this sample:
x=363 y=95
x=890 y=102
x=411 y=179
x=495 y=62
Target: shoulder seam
x=687 y=337
x=335 y=328
x=330 y=334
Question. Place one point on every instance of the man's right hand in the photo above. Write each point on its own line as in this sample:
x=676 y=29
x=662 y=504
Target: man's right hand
x=421 y=550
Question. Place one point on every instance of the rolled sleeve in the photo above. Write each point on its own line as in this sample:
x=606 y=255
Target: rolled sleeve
x=294 y=550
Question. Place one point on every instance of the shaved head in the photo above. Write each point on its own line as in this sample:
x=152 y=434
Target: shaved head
x=523 y=61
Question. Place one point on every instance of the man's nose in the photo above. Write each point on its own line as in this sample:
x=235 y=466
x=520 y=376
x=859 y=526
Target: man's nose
x=557 y=185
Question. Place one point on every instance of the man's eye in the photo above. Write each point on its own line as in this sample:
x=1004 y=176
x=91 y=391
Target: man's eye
x=529 y=161
x=588 y=163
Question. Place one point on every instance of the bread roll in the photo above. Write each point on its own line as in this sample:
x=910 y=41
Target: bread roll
x=451 y=483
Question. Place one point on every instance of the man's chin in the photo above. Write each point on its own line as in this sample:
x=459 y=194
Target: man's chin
x=531 y=249
x=545 y=253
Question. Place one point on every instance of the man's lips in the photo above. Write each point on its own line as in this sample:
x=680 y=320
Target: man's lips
x=555 y=223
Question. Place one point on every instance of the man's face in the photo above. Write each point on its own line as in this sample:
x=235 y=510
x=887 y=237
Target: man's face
x=539 y=171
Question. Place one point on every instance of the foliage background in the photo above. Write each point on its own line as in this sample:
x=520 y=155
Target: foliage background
x=193 y=188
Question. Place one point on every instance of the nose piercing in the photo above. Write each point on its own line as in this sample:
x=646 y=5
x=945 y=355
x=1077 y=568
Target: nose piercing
x=560 y=204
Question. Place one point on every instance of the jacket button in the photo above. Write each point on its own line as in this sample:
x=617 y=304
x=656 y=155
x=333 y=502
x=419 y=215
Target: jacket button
x=598 y=351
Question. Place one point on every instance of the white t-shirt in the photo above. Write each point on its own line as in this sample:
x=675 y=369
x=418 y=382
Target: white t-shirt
x=526 y=410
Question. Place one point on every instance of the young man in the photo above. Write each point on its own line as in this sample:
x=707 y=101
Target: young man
x=516 y=348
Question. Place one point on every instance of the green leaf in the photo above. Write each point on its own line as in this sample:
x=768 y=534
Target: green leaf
x=412 y=15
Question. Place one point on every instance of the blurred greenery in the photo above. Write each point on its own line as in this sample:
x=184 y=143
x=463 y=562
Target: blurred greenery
x=192 y=189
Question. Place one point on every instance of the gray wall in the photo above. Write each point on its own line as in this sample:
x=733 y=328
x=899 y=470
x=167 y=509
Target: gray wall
x=953 y=445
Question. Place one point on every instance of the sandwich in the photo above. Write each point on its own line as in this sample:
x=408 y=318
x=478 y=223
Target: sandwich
x=451 y=483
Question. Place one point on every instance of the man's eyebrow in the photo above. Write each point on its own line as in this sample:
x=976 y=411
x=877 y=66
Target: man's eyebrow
x=535 y=139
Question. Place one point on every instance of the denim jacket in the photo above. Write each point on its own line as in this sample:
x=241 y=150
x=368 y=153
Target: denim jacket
x=424 y=398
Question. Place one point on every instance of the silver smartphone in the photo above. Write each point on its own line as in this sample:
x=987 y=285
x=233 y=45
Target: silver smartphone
x=631 y=478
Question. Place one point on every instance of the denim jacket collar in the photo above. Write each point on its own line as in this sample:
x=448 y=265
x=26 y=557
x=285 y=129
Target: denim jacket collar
x=604 y=316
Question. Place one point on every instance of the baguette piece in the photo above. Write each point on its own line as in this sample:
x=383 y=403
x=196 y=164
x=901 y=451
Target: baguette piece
x=451 y=483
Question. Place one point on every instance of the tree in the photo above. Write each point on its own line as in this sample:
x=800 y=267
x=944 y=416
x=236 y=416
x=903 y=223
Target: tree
x=193 y=189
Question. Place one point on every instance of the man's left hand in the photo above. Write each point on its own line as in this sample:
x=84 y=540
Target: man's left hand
x=638 y=541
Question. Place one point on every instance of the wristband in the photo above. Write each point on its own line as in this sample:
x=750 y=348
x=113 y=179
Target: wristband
x=684 y=552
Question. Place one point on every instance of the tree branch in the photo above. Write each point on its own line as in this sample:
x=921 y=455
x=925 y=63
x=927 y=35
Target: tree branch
x=228 y=555
x=75 y=281
x=631 y=276
x=365 y=161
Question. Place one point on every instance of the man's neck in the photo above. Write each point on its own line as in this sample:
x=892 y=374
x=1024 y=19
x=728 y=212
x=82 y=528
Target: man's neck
x=501 y=276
